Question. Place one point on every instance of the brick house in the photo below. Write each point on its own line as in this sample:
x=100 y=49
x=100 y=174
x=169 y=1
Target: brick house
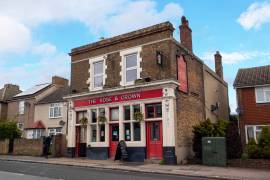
x=145 y=72
x=253 y=98
x=6 y=93
x=21 y=107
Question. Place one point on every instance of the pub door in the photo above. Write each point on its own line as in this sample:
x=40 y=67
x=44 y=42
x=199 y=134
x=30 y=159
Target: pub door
x=154 y=140
x=114 y=139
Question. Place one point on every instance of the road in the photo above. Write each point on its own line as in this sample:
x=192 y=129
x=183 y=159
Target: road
x=14 y=170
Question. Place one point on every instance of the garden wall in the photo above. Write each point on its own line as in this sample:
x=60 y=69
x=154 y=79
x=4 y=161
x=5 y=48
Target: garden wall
x=250 y=163
x=28 y=147
x=4 y=146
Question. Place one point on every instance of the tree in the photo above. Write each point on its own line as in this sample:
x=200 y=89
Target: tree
x=9 y=130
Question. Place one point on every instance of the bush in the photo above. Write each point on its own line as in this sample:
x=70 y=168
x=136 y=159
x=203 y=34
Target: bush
x=233 y=140
x=264 y=142
x=252 y=149
x=9 y=130
x=207 y=129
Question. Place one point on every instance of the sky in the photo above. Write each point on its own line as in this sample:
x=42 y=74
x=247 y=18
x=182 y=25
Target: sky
x=37 y=35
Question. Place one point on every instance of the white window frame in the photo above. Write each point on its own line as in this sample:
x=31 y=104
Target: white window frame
x=21 y=107
x=264 y=89
x=124 y=54
x=255 y=130
x=90 y=80
x=97 y=125
x=52 y=108
x=37 y=133
x=54 y=131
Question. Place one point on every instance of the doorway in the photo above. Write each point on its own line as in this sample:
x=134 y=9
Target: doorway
x=154 y=140
x=114 y=139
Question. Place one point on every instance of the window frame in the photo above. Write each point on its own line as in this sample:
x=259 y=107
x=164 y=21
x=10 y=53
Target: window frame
x=53 y=107
x=97 y=126
x=21 y=107
x=155 y=110
x=255 y=131
x=124 y=54
x=264 y=89
x=54 y=131
x=98 y=75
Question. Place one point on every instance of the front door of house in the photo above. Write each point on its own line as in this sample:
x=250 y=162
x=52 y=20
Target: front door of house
x=114 y=139
x=154 y=139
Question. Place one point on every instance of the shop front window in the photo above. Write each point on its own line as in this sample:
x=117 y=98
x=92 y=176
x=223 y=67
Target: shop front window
x=80 y=115
x=132 y=128
x=153 y=110
x=114 y=114
x=97 y=130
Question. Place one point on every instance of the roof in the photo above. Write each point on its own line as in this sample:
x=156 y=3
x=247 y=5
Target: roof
x=36 y=125
x=251 y=77
x=33 y=90
x=56 y=96
x=123 y=37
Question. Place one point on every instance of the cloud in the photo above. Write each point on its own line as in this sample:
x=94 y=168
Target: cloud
x=44 y=49
x=14 y=36
x=255 y=16
x=236 y=57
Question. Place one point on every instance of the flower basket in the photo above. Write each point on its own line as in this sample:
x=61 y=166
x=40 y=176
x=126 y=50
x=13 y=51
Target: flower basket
x=83 y=121
x=138 y=116
x=102 y=119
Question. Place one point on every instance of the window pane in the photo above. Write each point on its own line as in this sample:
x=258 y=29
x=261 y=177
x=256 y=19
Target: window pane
x=259 y=95
x=101 y=112
x=115 y=133
x=137 y=131
x=102 y=132
x=114 y=114
x=131 y=75
x=126 y=112
x=98 y=67
x=267 y=96
x=149 y=111
x=131 y=60
x=155 y=133
x=51 y=112
x=127 y=132
x=93 y=133
x=158 y=110
x=98 y=81
x=250 y=133
x=136 y=108
x=94 y=115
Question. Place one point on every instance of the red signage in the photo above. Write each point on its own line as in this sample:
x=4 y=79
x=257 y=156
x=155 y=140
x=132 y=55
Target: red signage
x=119 y=98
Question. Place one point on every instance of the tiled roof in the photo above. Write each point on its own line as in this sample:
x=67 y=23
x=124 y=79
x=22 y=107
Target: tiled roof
x=252 y=77
x=37 y=125
x=56 y=96
x=33 y=90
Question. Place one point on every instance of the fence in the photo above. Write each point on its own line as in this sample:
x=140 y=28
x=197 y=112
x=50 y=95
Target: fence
x=28 y=147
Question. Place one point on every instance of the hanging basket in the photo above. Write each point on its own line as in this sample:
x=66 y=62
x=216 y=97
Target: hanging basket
x=83 y=121
x=138 y=116
x=102 y=119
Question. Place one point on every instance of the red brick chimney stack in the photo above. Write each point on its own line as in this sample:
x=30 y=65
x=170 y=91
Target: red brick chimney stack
x=218 y=64
x=185 y=34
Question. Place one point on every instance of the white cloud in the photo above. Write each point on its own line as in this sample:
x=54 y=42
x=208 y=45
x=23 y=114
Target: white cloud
x=44 y=49
x=14 y=36
x=236 y=57
x=256 y=15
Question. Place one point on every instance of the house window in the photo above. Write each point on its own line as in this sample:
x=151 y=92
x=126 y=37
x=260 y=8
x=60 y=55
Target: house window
x=55 y=110
x=132 y=128
x=98 y=74
x=97 y=129
x=54 y=131
x=130 y=66
x=153 y=110
x=262 y=94
x=37 y=133
x=21 y=107
x=253 y=132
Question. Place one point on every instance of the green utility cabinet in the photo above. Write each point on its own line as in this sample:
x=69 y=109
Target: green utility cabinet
x=214 y=151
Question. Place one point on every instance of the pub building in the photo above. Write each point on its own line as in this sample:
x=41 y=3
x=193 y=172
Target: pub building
x=145 y=88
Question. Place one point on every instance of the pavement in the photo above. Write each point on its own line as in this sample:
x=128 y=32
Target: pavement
x=181 y=170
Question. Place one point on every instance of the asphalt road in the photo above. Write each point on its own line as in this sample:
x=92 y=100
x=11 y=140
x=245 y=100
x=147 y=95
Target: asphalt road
x=12 y=170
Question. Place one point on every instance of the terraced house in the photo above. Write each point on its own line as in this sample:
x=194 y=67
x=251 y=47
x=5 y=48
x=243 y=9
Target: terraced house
x=253 y=97
x=145 y=88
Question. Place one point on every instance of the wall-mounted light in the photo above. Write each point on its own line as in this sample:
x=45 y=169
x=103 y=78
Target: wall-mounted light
x=159 y=58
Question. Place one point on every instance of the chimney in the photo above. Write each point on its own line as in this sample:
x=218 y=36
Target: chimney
x=218 y=65
x=59 y=81
x=185 y=34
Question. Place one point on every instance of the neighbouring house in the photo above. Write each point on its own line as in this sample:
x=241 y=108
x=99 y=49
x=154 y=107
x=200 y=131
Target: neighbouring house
x=22 y=107
x=252 y=87
x=52 y=112
x=143 y=87
x=6 y=93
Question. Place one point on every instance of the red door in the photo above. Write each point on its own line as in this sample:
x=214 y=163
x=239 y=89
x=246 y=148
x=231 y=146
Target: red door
x=154 y=139
x=78 y=138
x=114 y=139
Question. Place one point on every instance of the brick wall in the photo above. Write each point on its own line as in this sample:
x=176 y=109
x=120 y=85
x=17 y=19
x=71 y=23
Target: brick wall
x=250 y=163
x=28 y=147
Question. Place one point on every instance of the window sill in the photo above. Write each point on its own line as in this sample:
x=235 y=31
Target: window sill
x=55 y=117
